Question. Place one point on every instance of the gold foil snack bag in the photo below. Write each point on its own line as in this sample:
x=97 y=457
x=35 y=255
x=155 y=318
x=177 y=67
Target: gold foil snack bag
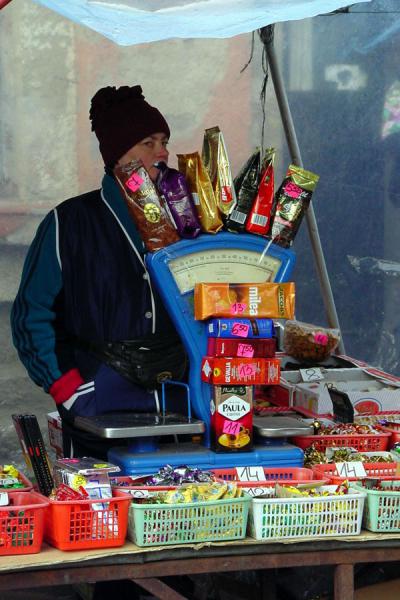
x=192 y=167
x=215 y=159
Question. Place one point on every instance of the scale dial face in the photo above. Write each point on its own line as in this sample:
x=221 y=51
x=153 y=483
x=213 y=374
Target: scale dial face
x=223 y=266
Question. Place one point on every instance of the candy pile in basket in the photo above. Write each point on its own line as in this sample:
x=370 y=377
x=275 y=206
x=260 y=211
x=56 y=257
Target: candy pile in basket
x=13 y=479
x=360 y=437
x=196 y=513
x=382 y=505
x=84 y=512
x=307 y=510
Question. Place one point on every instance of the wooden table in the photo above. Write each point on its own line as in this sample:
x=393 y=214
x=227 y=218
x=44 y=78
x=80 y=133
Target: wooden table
x=146 y=565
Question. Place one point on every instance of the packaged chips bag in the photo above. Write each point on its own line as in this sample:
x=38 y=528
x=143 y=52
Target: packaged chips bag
x=291 y=201
x=173 y=187
x=215 y=159
x=193 y=169
x=145 y=206
x=246 y=185
x=259 y=219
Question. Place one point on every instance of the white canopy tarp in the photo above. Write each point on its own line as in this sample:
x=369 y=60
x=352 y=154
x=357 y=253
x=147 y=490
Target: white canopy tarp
x=128 y=22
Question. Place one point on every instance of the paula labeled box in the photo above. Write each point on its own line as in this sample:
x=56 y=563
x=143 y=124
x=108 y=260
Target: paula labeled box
x=240 y=371
x=232 y=418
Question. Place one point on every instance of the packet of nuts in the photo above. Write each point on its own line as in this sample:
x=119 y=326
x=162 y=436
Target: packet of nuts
x=309 y=343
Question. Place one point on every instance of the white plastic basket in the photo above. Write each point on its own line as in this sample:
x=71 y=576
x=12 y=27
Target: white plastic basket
x=286 y=518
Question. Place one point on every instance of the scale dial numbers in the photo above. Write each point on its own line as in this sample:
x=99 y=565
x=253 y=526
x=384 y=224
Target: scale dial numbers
x=223 y=266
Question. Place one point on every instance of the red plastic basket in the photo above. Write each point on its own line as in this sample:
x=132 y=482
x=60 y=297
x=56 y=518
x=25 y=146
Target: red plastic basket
x=378 y=470
x=290 y=475
x=76 y=525
x=394 y=430
x=366 y=443
x=22 y=523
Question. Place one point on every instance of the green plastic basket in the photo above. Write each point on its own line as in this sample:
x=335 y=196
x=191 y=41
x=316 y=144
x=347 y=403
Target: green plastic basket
x=382 y=508
x=163 y=524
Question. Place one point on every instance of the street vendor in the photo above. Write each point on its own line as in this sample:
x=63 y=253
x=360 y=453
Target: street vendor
x=85 y=289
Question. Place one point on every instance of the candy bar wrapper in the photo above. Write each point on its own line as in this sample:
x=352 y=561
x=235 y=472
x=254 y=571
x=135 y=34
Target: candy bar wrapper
x=232 y=418
x=259 y=219
x=240 y=371
x=268 y=300
x=145 y=206
x=257 y=348
x=174 y=189
x=215 y=159
x=291 y=202
x=193 y=169
x=240 y=328
x=246 y=185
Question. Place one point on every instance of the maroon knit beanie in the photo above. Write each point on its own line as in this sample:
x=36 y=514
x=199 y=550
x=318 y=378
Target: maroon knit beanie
x=121 y=118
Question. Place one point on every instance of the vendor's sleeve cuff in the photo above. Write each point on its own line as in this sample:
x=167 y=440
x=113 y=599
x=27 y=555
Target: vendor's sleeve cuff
x=66 y=385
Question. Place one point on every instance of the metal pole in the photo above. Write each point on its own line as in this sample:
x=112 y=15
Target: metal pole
x=294 y=150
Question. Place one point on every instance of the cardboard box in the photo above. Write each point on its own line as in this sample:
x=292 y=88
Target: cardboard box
x=55 y=433
x=232 y=418
x=367 y=394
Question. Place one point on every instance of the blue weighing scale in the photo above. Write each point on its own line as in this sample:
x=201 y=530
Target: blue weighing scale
x=174 y=270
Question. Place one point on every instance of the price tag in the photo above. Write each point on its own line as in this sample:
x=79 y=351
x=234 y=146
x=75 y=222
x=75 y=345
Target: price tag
x=250 y=474
x=321 y=338
x=237 y=308
x=311 y=374
x=4 y=501
x=240 y=329
x=260 y=491
x=351 y=469
x=245 y=350
x=247 y=370
x=231 y=427
x=134 y=182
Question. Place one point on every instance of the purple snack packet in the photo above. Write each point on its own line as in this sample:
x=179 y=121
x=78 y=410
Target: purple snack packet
x=173 y=187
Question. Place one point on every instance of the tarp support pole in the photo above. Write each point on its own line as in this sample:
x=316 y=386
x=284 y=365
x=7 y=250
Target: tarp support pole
x=291 y=138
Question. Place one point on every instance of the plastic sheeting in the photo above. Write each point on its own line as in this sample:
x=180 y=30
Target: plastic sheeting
x=128 y=22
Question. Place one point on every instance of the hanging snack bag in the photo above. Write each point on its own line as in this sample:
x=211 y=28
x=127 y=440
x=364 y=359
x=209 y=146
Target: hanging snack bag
x=174 y=189
x=259 y=220
x=215 y=159
x=266 y=300
x=145 y=206
x=291 y=202
x=246 y=186
x=191 y=166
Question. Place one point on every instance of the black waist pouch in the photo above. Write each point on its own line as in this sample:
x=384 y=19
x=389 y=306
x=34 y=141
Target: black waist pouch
x=146 y=362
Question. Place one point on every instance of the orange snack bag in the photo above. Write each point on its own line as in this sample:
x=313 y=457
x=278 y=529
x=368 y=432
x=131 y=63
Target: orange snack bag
x=263 y=300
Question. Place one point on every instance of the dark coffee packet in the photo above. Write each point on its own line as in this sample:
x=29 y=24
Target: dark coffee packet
x=291 y=201
x=174 y=189
x=246 y=186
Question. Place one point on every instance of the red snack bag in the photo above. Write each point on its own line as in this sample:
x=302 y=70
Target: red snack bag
x=259 y=219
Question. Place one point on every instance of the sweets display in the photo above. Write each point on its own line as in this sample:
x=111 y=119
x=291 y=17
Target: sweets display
x=312 y=456
x=307 y=342
x=145 y=206
x=232 y=418
x=10 y=478
x=192 y=167
x=259 y=219
x=259 y=348
x=215 y=159
x=268 y=300
x=174 y=189
x=240 y=328
x=291 y=202
x=240 y=371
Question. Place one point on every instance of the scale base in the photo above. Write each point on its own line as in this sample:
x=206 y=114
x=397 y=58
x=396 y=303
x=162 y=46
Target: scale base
x=195 y=455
